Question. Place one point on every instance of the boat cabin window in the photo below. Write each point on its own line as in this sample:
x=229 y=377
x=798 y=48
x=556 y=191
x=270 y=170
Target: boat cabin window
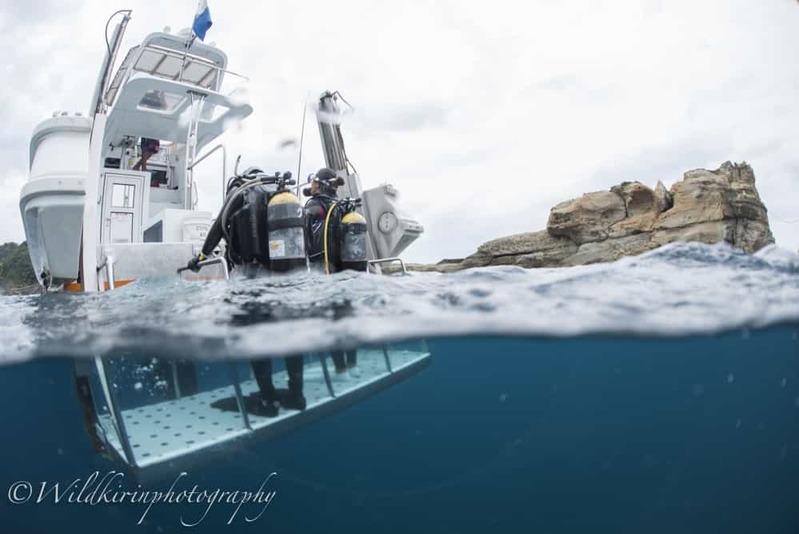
x=121 y=227
x=122 y=196
x=161 y=101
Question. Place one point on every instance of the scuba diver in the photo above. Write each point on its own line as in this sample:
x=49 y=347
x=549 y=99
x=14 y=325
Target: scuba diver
x=336 y=239
x=263 y=225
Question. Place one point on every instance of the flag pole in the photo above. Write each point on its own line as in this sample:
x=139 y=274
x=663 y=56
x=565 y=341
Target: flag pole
x=185 y=54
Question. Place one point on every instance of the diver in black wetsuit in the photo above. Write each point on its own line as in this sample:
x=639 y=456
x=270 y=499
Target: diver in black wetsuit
x=243 y=223
x=323 y=197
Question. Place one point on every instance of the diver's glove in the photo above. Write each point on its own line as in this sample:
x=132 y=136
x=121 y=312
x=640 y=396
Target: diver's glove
x=194 y=263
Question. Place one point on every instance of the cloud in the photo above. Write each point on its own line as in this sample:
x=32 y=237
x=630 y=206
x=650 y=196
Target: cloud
x=484 y=115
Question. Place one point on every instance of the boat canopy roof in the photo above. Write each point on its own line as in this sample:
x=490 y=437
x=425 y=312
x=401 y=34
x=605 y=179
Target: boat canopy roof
x=152 y=91
x=150 y=106
x=165 y=55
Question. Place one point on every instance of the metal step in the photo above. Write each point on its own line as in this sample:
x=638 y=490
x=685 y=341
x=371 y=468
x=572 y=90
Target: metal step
x=178 y=429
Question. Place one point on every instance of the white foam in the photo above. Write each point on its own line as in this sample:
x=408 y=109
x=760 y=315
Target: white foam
x=677 y=290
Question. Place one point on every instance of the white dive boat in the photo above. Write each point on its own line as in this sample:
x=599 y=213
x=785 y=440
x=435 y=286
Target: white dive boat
x=98 y=220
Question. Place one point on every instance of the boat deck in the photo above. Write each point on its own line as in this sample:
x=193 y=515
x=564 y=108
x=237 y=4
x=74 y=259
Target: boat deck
x=178 y=428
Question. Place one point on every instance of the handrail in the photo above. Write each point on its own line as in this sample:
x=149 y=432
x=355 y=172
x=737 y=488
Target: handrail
x=193 y=57
x=326 y=375
x=111 y=398
x=234 y=376
x=108 y=265
x=224 y=165
x=109 y=272
x=197 y=100
x=218 y=71
x=389 y=260
x=211 y=261
x=116 y=414
x=388 y=360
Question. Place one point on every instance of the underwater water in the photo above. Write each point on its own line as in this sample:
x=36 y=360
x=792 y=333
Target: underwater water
x=655 y=394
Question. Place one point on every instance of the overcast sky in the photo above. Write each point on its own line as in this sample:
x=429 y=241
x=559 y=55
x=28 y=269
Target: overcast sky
x=483 y=114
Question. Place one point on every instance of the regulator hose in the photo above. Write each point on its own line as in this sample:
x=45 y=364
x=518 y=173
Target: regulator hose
x=226 y=208
x=327 y=222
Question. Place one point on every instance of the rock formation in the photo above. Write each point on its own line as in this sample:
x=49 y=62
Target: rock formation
x=631 y=218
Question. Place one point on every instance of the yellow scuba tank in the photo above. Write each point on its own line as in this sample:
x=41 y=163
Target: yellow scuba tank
x=352 y=243
x=286 y=228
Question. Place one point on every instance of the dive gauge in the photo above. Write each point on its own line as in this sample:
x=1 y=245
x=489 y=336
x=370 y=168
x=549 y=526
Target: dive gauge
x=387 y=222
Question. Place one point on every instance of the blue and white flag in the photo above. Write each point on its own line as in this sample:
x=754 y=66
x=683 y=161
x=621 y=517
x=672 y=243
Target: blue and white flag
x=202 y=20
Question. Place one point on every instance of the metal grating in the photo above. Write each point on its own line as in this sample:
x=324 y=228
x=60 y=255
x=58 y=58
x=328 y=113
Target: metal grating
x=172 y=429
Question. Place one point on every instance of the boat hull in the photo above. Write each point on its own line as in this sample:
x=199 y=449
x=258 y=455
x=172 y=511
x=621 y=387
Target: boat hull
x=52 y=215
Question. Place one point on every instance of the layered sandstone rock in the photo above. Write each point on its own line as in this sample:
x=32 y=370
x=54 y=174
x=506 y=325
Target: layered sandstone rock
x=631 y=218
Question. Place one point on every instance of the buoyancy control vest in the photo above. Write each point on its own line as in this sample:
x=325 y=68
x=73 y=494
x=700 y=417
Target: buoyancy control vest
x=247 y=227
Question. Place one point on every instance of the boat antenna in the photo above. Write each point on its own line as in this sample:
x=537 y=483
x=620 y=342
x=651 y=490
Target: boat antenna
x=302 y=138
x=127 y=12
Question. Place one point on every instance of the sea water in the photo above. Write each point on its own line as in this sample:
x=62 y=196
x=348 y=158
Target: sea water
x=655 y=394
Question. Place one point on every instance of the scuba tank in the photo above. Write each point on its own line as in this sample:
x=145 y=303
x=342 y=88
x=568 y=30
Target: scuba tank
x=352 y=241
x=286 y=229
x=346 y=237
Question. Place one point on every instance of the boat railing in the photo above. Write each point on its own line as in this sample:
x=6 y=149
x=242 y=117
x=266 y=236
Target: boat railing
x=211 y=261
x=153 y=411
x=382 y=261
x=180 y=66
x=108 y=266
x=224 y=165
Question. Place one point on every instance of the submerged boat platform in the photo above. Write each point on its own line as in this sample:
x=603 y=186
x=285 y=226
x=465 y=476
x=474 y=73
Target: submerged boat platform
x=181 y=431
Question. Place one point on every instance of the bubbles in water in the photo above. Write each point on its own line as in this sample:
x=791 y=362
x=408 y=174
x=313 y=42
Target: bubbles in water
x=784 y=382
x=138 y=386
x=730 y=378
x=738 y=423
x=60 y=451
x=503 y=397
